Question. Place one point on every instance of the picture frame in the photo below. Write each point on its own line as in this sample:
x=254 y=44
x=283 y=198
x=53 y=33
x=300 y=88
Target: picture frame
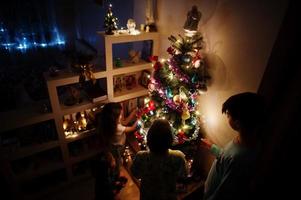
x=118 y=83
x=130 y=81
x=145 y=78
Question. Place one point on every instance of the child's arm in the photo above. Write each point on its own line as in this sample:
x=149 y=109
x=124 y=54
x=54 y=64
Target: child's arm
x=128 y=119
x=213 y=148
x=131 y=128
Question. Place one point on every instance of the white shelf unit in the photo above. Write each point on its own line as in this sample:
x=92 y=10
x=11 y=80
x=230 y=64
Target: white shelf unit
x=59 y=110
x=67 y=78
x=31 y=115
x=128 y=68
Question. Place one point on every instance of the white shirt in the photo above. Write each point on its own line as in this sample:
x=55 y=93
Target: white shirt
x=119 y=137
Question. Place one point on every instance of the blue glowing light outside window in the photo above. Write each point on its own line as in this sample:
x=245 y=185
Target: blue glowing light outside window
x=23 y=43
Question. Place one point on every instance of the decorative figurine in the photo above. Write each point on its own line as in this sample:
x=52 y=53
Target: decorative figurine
x=193 y=18
x=134 y=56
x=131 y=25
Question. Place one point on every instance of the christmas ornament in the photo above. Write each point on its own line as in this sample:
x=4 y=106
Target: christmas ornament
x=186 y=58
x=185 y=115
x=197 y=63
x=177 y=99
x=182 y=92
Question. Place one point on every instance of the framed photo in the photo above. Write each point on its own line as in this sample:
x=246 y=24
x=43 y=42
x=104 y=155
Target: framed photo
x=145 y=78
x=130 y=81
x=118 y=83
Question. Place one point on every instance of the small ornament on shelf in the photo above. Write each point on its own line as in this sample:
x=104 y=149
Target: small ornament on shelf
x=81 y=121
x=145 y=78
x=118 y=83
x=110 y=23
x=134 y=56
x=118 y=62
x=130 y=81
x=131 y=25
x=142 y=27
x=85 y=72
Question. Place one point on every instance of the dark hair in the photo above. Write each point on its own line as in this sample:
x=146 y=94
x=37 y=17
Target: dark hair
x=247 y=108
x=159 y=136
x=106 y=122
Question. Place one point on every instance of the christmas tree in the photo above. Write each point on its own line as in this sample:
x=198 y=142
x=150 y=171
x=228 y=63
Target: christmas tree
x=174 y=88
x=110 y=23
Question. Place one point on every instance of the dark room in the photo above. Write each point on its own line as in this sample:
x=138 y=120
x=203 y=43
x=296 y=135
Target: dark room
x=149 y=99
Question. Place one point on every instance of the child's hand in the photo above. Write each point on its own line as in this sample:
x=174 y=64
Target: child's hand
x=206 y=143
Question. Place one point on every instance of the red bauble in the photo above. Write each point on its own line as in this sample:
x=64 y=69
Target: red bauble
x=157 y=66
x=171 y=50
x=153 y=58
x=151 y=105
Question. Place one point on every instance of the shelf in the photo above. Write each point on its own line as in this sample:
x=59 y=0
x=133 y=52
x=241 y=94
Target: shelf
x=84 y=156
x=86 y=104
x=125 y=37
x=81 y=135
x=27 y=151
x=30 y=114
x=129 y=94
x=66 y=77
x=129 y=67
x=40 y=171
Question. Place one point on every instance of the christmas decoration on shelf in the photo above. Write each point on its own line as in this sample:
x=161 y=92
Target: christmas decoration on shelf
x=118 y=62
x=174 y=89
x=110 y=23
x=150 y=11
x=85 y=72
x=79 y=123
x=134 y=56
x=131 y=25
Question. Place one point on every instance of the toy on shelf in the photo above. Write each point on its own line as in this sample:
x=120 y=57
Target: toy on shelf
x=134 y=56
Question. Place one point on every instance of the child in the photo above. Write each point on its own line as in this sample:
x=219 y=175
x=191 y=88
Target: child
x=112 y=129
x=159 y=168
x=232 y=170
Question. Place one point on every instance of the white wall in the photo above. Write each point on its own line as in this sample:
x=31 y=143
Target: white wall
x=239 y=35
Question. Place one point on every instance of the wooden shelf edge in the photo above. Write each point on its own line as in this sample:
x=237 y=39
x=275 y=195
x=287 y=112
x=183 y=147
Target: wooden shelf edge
x=129 y=94
x=121 y=38
x=81 y=135
x=66 y=78
x=132 y=68
x=86 y=104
